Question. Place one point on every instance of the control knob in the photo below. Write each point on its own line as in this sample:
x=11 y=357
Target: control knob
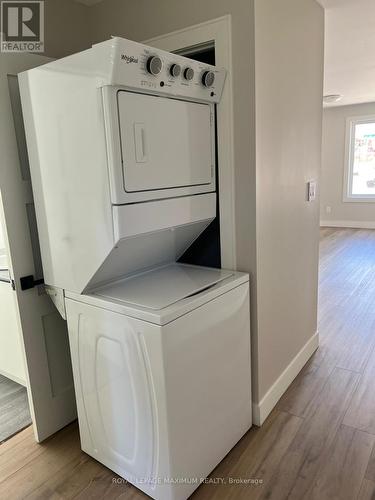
x=154 y=65
x=208 y=78
x=189 y=74
x=175 y=70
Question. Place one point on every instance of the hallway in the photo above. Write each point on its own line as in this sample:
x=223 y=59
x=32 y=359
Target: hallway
x=14 y=408
x=319 y=443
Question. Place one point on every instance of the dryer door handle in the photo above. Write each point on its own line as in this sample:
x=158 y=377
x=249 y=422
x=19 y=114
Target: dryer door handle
x=140 y=143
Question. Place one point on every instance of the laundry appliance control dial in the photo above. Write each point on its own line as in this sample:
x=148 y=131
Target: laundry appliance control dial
x=189 y=74
x=208 y=78
x=175 y=70
x=154 y=65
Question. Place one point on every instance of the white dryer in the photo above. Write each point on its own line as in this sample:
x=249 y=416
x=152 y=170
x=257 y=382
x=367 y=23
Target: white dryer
x=122 y=158
x=121 y=142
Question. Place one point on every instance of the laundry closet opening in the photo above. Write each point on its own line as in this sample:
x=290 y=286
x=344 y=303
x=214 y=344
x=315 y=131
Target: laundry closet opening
x=206 y=250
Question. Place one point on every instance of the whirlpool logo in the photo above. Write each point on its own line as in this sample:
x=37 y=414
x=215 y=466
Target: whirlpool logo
x=129 y=59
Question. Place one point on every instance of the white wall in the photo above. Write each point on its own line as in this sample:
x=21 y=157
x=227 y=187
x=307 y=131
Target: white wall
x=289 y=42
x=349 y=41
x=343 y=214
x=67 y=27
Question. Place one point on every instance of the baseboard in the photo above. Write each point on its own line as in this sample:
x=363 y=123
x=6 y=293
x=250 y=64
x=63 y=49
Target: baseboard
x=268 y=402
x=357 y=224
x=13 y=377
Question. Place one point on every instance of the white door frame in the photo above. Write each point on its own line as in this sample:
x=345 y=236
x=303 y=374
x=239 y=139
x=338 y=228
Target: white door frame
x=217 y=31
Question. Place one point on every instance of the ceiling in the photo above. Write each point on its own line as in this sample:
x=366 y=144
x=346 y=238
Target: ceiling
x=350 y=50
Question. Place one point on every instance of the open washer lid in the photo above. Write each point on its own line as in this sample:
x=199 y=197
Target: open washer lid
x=163 y=286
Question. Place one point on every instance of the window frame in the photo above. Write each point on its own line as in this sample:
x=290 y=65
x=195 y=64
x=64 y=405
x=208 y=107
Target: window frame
x=351 y=124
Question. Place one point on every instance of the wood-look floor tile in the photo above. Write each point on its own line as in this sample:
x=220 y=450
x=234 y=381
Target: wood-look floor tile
x=259 y=459
x=22 y=450
x=367 y=491
x=342 y=471
x=10 y=445
x=14 y=408
x=44 y=461
x=100 y=483
x=361 y=412
x=354 y=341
x=370 y=472
x=70 y=480
x=315 y=436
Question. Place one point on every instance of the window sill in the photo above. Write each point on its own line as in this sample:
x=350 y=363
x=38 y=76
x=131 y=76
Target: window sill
x=359 y=199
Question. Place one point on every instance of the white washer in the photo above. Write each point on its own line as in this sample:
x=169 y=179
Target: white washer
x=161 y=366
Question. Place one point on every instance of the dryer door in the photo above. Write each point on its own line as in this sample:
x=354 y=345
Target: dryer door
x=166 y=146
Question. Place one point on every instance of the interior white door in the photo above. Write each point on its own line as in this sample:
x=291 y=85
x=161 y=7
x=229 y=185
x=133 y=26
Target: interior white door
x=44 y=332
x=166 y=143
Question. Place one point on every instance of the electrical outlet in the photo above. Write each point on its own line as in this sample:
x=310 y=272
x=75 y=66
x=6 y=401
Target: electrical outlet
x=328 y=209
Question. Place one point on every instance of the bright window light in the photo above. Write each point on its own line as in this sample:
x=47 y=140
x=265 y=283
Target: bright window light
x=360 y=160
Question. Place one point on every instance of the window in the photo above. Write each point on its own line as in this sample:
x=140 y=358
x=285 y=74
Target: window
x=359 y=182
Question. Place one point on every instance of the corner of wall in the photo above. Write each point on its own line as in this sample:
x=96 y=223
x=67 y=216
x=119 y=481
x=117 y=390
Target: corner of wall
x=269 y=401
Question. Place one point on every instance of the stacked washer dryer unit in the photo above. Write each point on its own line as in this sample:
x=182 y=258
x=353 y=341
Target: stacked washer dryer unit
x=121 y=141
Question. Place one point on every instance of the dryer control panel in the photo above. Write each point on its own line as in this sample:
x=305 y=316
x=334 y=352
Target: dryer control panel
x=141 y=67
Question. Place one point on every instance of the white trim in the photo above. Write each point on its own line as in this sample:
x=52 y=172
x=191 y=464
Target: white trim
x=16 y=379
x=359 y=199
x=351 y=123
x=348 y=223
x=217 y=31
x=347 y=159
x=268 y=402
